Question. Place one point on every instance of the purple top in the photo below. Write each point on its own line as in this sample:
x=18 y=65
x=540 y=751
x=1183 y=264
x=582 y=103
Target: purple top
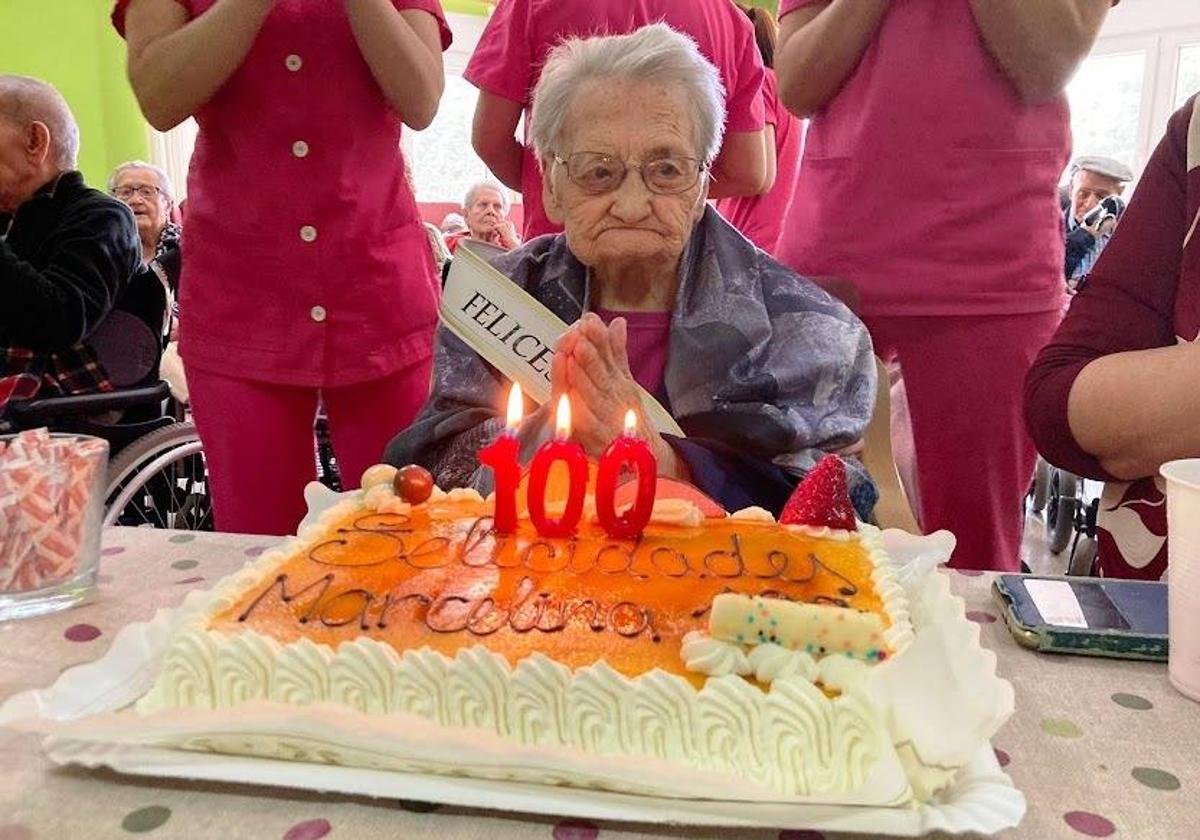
x=649 y=335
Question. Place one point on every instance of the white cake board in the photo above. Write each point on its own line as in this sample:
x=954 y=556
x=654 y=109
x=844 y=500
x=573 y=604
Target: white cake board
x=981 y=799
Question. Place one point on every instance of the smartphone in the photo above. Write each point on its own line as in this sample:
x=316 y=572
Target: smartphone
x=1124 y=619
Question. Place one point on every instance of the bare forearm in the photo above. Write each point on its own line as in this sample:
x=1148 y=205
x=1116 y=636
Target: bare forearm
x=493 y=136
x=505 y=158
x=745 y=166
x=1136 y=410
x=1038 y=45
x=174 y=69
x=818 y=51
x=402 y=48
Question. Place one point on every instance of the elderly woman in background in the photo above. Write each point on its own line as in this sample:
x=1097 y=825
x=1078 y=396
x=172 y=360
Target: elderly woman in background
x=147 y=190
x=485 y=215
x=761 y=369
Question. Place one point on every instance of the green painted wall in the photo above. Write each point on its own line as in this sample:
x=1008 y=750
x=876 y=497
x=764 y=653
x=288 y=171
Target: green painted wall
x=480 y=8
x=71 y=44
x=483 y=7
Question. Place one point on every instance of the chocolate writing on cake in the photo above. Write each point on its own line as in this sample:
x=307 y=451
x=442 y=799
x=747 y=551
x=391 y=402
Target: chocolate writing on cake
x=380 y=539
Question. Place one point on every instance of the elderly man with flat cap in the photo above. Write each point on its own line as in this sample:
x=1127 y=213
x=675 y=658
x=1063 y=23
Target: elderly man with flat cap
x=66 y=251
x=1095 y=206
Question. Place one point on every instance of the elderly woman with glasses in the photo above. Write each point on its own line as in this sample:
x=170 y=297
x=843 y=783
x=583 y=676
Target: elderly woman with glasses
x=147 y=190
x=153 y=290
x=762 y=370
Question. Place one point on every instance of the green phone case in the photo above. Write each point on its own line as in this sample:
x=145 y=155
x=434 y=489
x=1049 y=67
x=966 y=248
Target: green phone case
x=1050 y=638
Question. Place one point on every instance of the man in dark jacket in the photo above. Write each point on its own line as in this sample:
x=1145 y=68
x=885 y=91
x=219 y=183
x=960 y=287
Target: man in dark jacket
x=66 y=251
x=1094 y=207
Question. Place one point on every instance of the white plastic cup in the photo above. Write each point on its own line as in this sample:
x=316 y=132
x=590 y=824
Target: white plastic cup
x=1183 y=574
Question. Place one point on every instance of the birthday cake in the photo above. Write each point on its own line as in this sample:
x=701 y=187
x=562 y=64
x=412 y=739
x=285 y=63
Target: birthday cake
x=731 y=647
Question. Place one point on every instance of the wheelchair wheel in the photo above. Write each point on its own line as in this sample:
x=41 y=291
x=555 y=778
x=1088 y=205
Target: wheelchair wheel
x=1061 y=508
x=1083 y=558
x=159 y=481
x=328 y=472
x=1041 y=485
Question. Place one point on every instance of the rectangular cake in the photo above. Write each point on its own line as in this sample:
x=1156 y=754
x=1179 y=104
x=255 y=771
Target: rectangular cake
x=732 y=645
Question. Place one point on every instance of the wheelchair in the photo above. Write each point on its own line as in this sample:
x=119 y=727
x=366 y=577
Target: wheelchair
x=156 y=474
x=156 y=471
x=1070 y=516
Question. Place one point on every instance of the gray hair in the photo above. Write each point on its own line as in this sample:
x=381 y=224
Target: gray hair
x=654 y=54
x=453 y=222
x=486 y=185
x=164 y=180
x=26 y=100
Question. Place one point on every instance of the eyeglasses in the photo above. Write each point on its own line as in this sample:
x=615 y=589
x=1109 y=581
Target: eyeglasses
x=141 y=190
x=597 y=173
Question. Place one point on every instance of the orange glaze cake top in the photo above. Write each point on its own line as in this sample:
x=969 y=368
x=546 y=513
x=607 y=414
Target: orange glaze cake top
x=438 y=576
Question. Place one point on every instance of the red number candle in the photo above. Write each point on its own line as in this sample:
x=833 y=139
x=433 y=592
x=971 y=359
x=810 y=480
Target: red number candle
x=632 y=450
x=570 y=453
x=503 y=456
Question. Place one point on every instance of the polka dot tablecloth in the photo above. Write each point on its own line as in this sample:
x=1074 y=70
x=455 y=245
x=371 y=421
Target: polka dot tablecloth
x=1100 y=748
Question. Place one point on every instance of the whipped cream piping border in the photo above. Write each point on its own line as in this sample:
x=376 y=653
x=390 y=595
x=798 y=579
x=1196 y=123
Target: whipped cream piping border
x=899 y=633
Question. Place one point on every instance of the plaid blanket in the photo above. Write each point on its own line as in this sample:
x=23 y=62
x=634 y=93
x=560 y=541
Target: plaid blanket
x=25 y=375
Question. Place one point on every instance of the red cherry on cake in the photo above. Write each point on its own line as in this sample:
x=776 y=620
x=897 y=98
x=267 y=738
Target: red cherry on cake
x=822 y=498
x=413 y=484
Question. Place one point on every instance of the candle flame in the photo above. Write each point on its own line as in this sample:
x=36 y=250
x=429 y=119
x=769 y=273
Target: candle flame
x=630 y=422
x=563 y=418
x=516 y=407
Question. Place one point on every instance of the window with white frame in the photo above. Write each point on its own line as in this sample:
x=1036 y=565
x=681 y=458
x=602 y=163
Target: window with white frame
x=1106 y=97
x=442 y=162
x=1187 y=79
x=172 y=150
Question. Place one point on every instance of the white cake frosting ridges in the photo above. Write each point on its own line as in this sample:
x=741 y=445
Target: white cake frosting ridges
x=899 y=633
x=728 y=726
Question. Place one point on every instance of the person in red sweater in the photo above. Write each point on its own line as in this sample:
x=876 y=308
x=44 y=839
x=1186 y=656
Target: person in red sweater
x=1113 y=395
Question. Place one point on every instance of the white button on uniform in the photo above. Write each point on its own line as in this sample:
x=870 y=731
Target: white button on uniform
x=300 y=149
x=317 y=313
x=308 y=233
x=293 y=62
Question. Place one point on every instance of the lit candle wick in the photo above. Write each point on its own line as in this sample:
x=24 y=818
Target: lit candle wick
x=516 y=408
x=630 y=423
x=563 y=418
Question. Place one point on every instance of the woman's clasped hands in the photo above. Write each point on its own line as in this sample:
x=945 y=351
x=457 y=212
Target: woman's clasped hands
x=591 y=366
